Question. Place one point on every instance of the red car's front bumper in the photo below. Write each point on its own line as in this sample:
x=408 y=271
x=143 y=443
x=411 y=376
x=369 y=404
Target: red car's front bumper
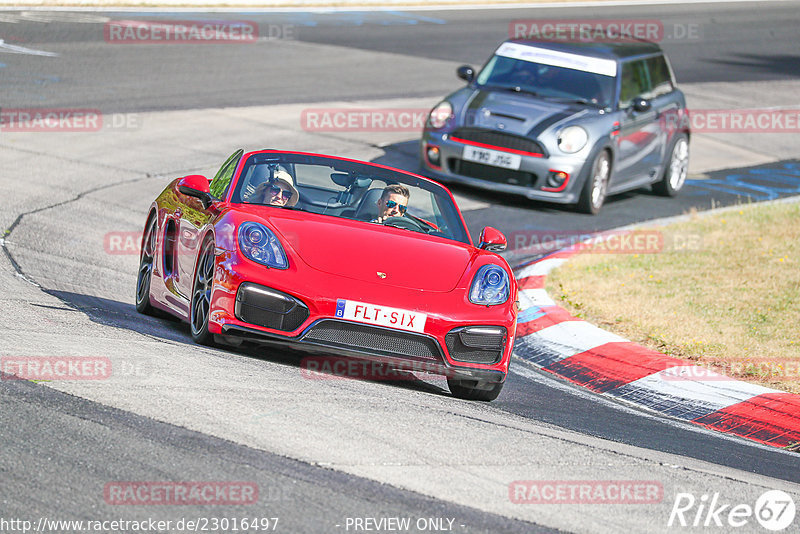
x=268 y=310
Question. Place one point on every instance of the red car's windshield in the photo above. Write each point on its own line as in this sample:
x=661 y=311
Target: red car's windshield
x=348 y=189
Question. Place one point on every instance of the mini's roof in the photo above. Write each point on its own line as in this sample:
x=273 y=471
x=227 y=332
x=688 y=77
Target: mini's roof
x=616 y=51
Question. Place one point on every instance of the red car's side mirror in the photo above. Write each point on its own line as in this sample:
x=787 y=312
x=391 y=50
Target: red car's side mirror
x=196 y=185
x=492 y=240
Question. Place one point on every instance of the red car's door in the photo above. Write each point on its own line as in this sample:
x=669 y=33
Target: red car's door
x=193 y=220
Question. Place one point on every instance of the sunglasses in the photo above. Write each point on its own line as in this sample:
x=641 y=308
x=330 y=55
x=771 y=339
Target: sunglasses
x=277 y=190
x=391 y=204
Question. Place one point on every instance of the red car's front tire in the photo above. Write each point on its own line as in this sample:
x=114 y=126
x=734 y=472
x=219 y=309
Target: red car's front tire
x=474 y=390
x=200 y=309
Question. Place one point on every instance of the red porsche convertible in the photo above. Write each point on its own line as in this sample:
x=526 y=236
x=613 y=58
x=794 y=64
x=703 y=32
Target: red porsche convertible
x=333 y=256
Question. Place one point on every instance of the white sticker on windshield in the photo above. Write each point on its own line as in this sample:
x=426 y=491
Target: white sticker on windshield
x=605 y=67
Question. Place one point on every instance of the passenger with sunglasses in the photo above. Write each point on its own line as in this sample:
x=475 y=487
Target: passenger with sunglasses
x=280 y=191
x=393 y=202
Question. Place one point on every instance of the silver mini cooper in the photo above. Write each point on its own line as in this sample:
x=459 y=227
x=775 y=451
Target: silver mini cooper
x=569 y=123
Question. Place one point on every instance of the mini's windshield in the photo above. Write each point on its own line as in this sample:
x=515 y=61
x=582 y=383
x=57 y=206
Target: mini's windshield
x=349 y=190
x=547 y=81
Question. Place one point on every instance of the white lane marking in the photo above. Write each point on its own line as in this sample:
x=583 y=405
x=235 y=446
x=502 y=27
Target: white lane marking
x=49 y=16
x=524 y=370
x=572 y=337
x=14 y=49
x=468 y=204
x=63 y=16
x=676 y=385
x=253 y=5
x=537 y=297
x=540 y=268
x=525 y=301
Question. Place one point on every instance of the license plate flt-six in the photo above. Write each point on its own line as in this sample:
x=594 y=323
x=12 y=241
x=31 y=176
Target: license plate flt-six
x=380 y=315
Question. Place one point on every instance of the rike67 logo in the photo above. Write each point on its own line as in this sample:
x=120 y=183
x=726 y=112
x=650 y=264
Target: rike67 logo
x=774 y=510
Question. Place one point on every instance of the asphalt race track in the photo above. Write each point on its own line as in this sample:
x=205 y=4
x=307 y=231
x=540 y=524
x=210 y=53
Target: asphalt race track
x=324 y=453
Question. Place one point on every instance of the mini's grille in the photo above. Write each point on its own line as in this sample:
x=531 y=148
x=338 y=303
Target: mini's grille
x=499 y=139
x=373 y=339
x=269 y=308
x=491 y=173
x=465 y=346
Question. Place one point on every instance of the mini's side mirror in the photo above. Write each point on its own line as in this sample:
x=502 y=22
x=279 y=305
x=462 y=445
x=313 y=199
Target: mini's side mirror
x=196 y=185
x=492 y=240
x=641 y=104
x=465 y=72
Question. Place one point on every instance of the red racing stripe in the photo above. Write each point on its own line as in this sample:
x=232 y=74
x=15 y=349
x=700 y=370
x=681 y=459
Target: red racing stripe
x=553 y=315
x=531 y=282
x=612 y=365
x=772 y=418
x=566 y=253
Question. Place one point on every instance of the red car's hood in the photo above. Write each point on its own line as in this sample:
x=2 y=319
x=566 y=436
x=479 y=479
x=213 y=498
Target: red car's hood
x=361 y=251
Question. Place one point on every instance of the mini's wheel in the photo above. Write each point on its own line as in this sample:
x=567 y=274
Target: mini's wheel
x=595 y=189
x=677 y=168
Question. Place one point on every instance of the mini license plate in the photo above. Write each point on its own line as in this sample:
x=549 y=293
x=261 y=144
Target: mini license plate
x=380 y=315
x=492 y=157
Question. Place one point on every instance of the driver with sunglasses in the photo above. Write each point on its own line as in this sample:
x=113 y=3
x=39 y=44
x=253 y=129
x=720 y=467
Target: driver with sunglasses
x=280 y=191
x=393 y=202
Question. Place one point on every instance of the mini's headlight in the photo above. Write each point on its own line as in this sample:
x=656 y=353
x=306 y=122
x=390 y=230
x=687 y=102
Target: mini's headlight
x=440 y=114
x=258 y=243
x=490 y=286
x=572 y=139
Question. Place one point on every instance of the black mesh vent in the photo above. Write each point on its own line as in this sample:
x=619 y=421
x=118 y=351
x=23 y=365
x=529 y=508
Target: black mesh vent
x=269 y=308
x=490 y=173
x=373 y=339
x=499 y=139
x=464 y=346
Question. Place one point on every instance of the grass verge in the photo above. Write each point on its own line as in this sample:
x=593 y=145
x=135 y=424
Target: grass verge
x=723 y=292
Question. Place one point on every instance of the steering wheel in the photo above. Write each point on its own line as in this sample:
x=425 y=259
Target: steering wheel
x=403 y=222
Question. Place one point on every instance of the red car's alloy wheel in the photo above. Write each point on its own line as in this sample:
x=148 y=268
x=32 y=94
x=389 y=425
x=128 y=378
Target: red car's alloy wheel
x=146 y=268
x=201 y=295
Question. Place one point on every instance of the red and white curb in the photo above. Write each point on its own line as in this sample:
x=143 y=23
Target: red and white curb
x=550 y=338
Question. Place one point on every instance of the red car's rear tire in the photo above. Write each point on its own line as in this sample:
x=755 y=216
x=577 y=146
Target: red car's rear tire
x=146 y=260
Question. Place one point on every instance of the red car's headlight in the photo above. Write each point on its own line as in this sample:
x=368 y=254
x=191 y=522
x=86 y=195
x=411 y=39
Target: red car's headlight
x=259 y=243
x=490 y=286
